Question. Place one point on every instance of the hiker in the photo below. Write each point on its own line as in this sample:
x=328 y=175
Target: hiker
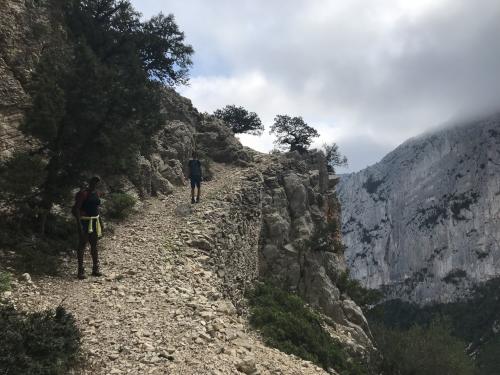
x=86 y=211
x=194 y=166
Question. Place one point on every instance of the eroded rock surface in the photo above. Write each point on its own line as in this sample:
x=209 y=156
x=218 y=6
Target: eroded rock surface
x=423 y=223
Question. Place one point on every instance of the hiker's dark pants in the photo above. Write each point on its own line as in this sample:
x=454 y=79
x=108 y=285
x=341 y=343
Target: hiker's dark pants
x=85 y=238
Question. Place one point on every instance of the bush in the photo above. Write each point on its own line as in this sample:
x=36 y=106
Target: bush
x=362 y=296
x=4 y=282
x=119 y=206
x=37 y=254
x=287 y=324
x=472 y=320
x=422 y=350
x=42 y=343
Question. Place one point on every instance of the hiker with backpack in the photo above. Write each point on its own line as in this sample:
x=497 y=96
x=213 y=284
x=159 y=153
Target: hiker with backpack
x=195 y=176
x=86 y=212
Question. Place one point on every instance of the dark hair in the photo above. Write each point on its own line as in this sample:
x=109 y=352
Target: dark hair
x=94 y=180
x=194 y=154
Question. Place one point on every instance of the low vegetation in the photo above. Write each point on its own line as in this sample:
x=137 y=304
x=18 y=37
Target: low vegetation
x=286 y=323
x=4 y=282
x=362 y=296
x=422 y=350
x=474 y=322
x=41 y=343
x=31 y=252
x=118 y=206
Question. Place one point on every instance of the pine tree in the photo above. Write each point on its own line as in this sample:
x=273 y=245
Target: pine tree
x=97 y=91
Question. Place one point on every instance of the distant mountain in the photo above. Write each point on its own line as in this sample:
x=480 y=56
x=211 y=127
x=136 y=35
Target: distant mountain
x=424 y=223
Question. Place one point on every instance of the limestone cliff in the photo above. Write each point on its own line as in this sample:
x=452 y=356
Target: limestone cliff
x=423 y=223
x=21 y=23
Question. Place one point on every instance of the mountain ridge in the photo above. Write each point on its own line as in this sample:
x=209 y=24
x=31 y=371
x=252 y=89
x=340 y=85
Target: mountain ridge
x=428 y=192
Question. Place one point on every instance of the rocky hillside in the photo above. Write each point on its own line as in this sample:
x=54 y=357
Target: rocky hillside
x=177 y=276
x=423 y=223
x=172 y=300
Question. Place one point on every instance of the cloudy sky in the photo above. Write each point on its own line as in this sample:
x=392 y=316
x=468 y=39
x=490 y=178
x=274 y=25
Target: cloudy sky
x=368 y=74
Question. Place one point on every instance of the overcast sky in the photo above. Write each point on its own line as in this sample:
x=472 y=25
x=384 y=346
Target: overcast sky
x=368 y=74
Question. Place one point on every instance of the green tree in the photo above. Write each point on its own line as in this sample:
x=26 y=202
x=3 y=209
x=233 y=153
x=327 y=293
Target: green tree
x=333 y=156
x=97 y=91
x=240 y=120
x=293 y=133
x=422 y=350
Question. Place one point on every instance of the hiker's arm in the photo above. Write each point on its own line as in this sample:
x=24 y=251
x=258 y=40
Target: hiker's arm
x=78 y=207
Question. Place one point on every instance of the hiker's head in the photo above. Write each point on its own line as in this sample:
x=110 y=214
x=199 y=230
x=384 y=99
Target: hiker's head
x=93 y=182
x=194 y=155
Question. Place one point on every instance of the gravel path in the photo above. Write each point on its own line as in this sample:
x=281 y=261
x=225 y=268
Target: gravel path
x=159 y=309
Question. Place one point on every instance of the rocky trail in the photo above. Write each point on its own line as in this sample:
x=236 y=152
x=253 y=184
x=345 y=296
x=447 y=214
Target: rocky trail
x=160 y=309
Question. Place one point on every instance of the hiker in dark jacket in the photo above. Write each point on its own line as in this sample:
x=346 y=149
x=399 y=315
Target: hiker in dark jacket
x=86 y=211
x=194 y=167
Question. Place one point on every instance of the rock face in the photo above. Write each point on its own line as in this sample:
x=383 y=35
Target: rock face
x=423 y=223
x=20 y=44
x=299 y=247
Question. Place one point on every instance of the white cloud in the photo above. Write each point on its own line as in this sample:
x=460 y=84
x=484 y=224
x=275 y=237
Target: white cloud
x=363 y=72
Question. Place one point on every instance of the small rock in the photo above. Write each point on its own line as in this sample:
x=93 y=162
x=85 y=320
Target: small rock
x=7 y=294
x=26 y=277
x=247 y=366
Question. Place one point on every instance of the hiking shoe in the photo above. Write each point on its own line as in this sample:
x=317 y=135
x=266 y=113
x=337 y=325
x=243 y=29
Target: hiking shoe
x=96 y=273
x=192 y=200
x=81 y=276
x=198 y=200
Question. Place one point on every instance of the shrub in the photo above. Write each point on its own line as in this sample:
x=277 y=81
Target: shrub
x=362 y=296
x=422 y=350
x=4 y=282
x=333 y=157
x=325 y=238
x=34 y=253
x=119 y=206
x=42 y=343
x=287 y=324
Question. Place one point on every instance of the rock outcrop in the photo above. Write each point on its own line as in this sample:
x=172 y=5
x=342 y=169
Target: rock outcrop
x=21 y=31
x=300 y=248
x=423 y=223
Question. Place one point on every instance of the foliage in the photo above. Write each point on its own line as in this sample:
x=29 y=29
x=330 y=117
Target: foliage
x=362 y=296
x=20 y=176
x=430 y=350
x=4 y=282
x=240 y=120
x=488 y=359
x=333 y=156
x=471 y=320
x=293 y=133
x=326 y=238
x=119 y=206
x=287 y=324
x=41 y=343
x=33 y=253
x=97 y=91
